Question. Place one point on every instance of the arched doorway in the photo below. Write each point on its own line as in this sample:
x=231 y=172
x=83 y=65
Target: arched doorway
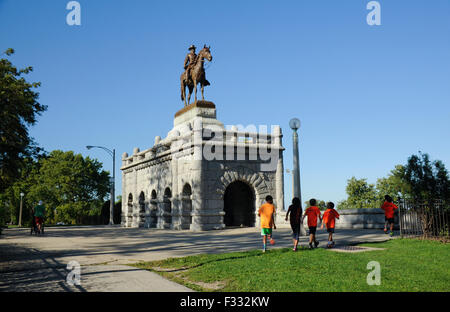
x=130 y=208
x=141 y=218
x=153 y=210
x=186 y=207
x=167 y=214
x=239 y=205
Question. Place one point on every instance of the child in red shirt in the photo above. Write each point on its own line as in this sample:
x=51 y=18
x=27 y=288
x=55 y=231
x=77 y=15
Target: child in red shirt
x=329 y=218
x=312 y=212
x=389 y=210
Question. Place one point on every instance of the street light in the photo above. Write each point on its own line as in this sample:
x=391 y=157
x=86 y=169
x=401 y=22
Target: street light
x=20 y=212
x=113 y=180
x=294 y=123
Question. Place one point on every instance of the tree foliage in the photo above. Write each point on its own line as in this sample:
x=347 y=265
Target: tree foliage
x=19 y=108
x=427 y=180
x=71 y=187
x=419 y=179
x=360 y=194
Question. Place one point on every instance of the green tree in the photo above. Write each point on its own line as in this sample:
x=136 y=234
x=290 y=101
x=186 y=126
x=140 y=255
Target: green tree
x=10 y=198
x=428 y=180
x=19 y=109
x=72 y=187
x=420 y=179
x=394 y=185
x=360 y=195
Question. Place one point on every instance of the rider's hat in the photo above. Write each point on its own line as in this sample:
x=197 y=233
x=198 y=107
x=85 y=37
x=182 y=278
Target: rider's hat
x=192 y=47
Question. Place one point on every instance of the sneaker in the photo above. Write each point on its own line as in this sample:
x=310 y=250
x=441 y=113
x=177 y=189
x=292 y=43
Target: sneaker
x=294 y=249
x=310 y=246
x=316 y=243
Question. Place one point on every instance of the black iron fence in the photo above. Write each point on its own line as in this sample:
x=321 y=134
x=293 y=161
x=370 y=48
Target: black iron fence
x=426 y=219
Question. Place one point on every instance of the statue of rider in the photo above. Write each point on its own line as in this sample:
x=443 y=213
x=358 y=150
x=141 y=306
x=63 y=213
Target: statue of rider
x=189 y=61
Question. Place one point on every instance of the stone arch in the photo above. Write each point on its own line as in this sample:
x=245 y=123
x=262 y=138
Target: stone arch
x=239 y=204
x=186 y=207
x=141 y=202
x=167 y=192
x=257 y=180
x=167 y=208
x=141 y=213
x=130 y=208
x=187 y=190
x=153 y=222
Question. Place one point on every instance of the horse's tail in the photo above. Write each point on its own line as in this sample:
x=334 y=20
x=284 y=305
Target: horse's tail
x=207 y=83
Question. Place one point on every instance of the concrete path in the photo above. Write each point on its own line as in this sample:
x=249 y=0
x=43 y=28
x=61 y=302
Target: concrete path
x=39 y=263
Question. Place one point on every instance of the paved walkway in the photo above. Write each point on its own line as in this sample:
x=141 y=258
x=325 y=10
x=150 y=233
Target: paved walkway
x=39 y=263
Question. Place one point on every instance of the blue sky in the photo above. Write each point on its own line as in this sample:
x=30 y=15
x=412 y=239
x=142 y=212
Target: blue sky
x=367 y=96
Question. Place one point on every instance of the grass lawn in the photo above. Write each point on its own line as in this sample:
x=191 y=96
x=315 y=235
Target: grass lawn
x=406 y=265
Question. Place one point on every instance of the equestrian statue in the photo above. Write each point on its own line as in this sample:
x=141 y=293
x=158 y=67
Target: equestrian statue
x=194 y=73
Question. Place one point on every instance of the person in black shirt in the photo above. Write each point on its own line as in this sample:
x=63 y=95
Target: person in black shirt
x=295 y=212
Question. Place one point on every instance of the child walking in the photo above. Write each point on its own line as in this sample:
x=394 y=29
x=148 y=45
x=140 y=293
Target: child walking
x=266 y=212
x=389 y=210
x=329 y=218
x=313 y=213
x=295 y=212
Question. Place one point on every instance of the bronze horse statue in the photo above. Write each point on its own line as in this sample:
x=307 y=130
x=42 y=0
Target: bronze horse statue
x=197 y=76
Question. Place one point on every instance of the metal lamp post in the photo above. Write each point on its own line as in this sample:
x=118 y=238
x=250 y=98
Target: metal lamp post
x=20 y=211
x=113 y=180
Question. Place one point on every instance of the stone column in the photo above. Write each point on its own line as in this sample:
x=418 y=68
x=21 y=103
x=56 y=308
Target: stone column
x=135 y=218
x=196 y=174
x=176 y=196
x=123 y=217
x=279 y=175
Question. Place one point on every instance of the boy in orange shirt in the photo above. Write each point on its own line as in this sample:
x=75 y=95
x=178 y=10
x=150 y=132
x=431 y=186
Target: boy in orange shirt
x=389 y=210
x=329 y=218
x=312 y=212
x=266 y=212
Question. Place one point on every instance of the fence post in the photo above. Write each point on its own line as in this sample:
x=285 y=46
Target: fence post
x=400 y=217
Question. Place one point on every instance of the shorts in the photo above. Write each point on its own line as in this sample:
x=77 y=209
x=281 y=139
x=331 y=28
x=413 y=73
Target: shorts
x=38 y=220
x=265 y=231
x=295 y=231
x=330 y=230
x=389 y=220
x=312 y=230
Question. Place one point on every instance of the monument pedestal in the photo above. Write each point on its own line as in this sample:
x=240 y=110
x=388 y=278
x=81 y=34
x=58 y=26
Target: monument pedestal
x=190 y=171
x=201 y=110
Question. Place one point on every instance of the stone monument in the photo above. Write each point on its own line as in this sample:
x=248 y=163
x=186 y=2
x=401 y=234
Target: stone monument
x=202 y=176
